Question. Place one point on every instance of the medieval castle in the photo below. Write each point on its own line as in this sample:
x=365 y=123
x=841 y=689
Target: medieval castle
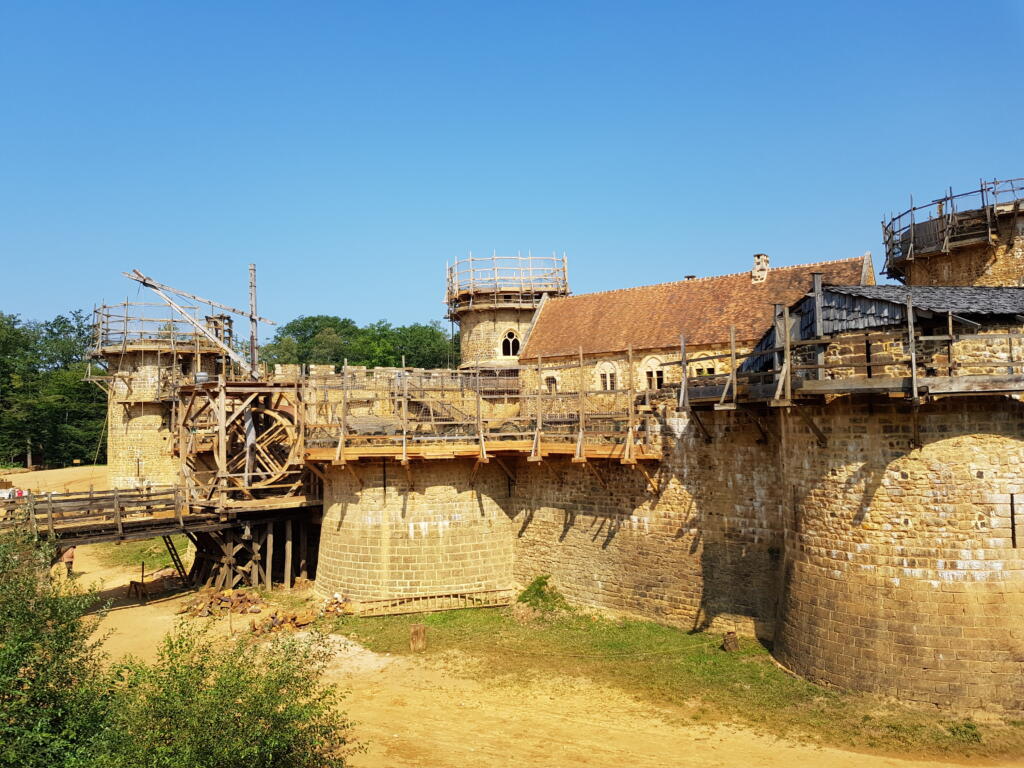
x=794 y=452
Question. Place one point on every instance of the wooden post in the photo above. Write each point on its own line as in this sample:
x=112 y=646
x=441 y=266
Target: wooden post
x=949 y=344
x=535 y=454
x=49 y=514
x=339 y=453
x=405 y=415
x=732 y=360
x=684 y=384
x=177 y=506
x=417 y=637
x=288 y=554
x=627 y=451
x=913 y=348
x=253 y=322
x=270 y=556
x=786 y=352
x=819 y=325
x=117 y=513
x=304 y=550
x=581 y=450
x=222 y=438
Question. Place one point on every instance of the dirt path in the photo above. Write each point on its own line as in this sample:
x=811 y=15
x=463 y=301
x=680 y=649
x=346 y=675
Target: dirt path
x=432 y=712
x=61 y=480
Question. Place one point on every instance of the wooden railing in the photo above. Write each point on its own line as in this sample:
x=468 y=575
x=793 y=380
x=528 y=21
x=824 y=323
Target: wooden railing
x=51 y=514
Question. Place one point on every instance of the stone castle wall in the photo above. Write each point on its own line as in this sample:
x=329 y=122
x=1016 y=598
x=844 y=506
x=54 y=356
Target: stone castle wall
x=699 y=549
x=1001 y=264
x=481 y=332
x=901 y=576
x=439 y=528
x=872 y=564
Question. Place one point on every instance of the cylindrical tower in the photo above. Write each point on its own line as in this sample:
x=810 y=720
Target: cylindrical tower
x=904 y=572
x=147 y=353
x=969 y=238
x=494 y=300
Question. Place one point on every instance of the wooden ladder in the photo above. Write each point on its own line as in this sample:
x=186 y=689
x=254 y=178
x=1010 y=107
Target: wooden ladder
x=175 y=558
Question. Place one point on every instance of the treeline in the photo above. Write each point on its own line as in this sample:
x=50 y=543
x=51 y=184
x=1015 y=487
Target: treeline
x=48 y=414
x=330 y=340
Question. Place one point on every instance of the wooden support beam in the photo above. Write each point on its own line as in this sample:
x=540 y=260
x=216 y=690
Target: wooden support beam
x=822 y=439
x=912 y=345
x=505 y=469
x=288 y=554
x=270 y=556
x=304 y=549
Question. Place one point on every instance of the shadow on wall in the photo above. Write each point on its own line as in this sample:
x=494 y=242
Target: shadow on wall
x=698 y=545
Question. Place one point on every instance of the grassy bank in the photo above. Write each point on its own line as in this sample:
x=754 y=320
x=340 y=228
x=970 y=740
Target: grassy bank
x=688 y=674
x=152 y=552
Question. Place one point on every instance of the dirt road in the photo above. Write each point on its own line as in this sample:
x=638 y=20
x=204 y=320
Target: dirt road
x=61 y=480
x=434 y=713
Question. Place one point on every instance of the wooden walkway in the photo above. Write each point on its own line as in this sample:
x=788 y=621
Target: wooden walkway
x=123 y=515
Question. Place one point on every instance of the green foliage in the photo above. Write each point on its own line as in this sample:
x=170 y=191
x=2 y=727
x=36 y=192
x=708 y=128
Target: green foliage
x=44 y=402
x=965 y=732
x=201 y=704
x=540 y=595
x=326 y=339
x=219 y=706
x=52 y=694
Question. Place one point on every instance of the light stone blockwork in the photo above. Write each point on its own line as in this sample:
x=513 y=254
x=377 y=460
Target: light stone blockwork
x=869 y=563
x=438 y=529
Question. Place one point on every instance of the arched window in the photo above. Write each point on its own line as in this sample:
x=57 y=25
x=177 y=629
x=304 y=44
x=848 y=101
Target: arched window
x=551 y=383
x=607 y=376
x=510 y=344
x=653 y=373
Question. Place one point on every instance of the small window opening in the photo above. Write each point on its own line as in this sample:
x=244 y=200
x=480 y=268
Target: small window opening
x=552 y=384
x=655 y=379
x=1014 y=535
x=510 y=344
x=186 y=367
x=608 y=382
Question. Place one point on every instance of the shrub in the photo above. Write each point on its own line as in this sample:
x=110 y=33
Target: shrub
x=543 y=597
x=221 y=705
x=52 y=692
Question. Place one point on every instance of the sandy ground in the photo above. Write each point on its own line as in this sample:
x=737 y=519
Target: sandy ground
x=431 y=712
x=61 y=480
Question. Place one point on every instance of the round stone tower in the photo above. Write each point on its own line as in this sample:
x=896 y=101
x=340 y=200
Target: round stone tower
x=970 y=238
x=494 y=300
x=147 y=354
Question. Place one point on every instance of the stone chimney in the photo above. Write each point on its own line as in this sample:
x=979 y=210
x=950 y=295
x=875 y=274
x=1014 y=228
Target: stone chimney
x=760 y=271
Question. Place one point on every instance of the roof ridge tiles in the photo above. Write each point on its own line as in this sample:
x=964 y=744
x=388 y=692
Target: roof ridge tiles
x=692 y=280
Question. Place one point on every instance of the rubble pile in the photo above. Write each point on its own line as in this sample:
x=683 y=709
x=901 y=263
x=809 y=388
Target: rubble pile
x=281 y=620
x=336 y=605
x=212 y=602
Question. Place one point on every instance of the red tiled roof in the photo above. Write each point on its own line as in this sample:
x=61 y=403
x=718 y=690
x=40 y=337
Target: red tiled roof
x=653 y=316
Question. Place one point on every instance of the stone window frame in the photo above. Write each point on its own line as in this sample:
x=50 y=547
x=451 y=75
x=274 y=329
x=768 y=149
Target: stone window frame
x=510 y=340
x=652 y=374
x=606 y=376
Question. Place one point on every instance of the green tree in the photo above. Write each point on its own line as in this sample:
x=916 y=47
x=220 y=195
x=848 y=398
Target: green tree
x=330 y=340
x=45 y=405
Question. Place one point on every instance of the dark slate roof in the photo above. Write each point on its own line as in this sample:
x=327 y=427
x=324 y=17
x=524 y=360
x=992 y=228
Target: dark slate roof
x=847 y=308
x=960 y=300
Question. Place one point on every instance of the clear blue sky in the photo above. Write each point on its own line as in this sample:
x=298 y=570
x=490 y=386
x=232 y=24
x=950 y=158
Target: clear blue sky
x=349 y=149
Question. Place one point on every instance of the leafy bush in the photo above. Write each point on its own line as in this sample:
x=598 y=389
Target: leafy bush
x=236 y=703
x=52 y=692
x=965 y=732
x=203 y=703
x=543 y=597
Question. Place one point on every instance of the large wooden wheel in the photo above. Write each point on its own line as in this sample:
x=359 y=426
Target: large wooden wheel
x=262 y=447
